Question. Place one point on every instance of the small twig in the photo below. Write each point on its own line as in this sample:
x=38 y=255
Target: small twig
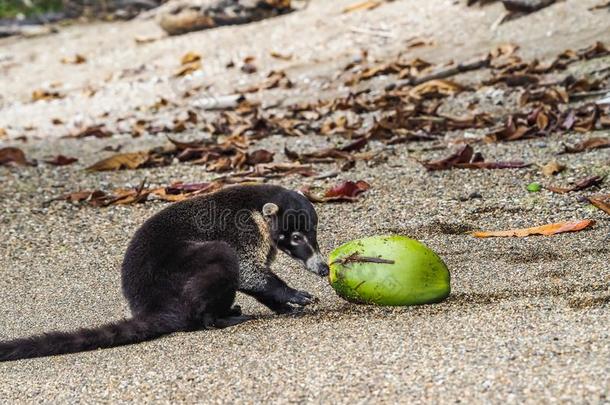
x=587 y=94
x=366 y=31
x=327 y=175
x=442 y=74
x=356 y=258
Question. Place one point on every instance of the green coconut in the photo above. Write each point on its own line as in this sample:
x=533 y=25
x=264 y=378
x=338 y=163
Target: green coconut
x=388 y=270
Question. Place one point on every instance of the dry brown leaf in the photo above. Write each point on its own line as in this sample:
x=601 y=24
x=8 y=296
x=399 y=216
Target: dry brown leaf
x=505 y=50
x=435 y=88
x=77 y=59
x=602 y=202
x=140 y=39
x=274 y=79
x=130 y=196
x=580 y=185
x=281 y=56
x=41 y=94
x=259 y=156
x=587 y=144
x=10 y=156
x=188 y=69
x=605 y=4
x=175 y=192
x=549 y=229
x=465 y=158
x=96 y=131
x=345 y=191
x=3 y=133
x=363 y=5
x=121 y=161
x=96 y=198
x=542 y=121
x=190 y=57
x=552 y=167
x=249 y=68
x=61 y=160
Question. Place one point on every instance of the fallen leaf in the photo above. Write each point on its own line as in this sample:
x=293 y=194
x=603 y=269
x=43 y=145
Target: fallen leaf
x=552 y=167
x=346 y=191
x=177 y=191
x=10 y=156
x=95 y=198
x=140 y=39
x=579 y=185
x=435 y=88
x=190 y=57
x=542 y=121
x=188 y=69
x=46 y=95
x=281 y=56
x=363 y=5
x=588 y=144
x=464 y=154
x=186 y=145
x=74 y=60
x=259 y=156
x=79 y=196
x=549 y=229
x=418 y=42
x=602 y=202
x=600 y=6
x=505 y=50
x=3 y=133
x=121 y=161
x=596 y=50
x=328 y=155
x=61 y=160
x=96 y=131
x=111 y=148
x=275 y=79
x=515 y=79
x=465 y=158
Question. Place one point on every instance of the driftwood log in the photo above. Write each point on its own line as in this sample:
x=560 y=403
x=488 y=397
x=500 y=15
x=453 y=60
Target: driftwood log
x=185 y=16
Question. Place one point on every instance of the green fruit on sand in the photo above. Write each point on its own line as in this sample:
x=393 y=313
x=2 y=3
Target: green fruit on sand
x=388 y=270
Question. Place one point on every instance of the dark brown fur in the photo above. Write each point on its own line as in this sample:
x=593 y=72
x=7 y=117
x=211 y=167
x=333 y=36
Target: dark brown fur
x=185 y=264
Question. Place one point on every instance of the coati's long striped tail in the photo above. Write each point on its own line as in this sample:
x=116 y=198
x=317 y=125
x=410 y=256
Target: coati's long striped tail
x=109 y=335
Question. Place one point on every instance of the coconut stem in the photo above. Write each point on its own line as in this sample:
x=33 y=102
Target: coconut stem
x=356 y=258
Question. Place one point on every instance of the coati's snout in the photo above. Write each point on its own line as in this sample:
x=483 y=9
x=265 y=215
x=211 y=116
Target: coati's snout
x=301 y=247
x=295 y=232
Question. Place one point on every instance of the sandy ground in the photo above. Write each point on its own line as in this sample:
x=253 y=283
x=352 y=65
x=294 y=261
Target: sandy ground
x=527 y=320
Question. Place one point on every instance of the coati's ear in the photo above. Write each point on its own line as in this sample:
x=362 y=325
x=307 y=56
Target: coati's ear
x=270 y=209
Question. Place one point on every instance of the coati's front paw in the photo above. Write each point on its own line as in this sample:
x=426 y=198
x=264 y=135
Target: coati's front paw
x=301 y=298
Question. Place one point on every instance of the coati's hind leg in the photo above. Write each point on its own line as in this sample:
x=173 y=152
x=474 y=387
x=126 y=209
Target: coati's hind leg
x=212 y=278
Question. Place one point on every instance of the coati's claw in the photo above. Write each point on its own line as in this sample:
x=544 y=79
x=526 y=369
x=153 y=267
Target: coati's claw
x=289 y=310
x=301 y=298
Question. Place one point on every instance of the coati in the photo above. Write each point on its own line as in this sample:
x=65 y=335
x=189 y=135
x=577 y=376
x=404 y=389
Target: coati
x=184 y=265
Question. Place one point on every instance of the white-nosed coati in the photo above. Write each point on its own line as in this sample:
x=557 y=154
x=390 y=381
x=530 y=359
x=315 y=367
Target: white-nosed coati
x=184 y=265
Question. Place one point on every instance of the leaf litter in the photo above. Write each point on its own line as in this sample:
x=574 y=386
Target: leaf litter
x=406 y=111
x=549 y=229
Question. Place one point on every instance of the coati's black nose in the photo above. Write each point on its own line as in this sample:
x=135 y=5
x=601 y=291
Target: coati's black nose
x=316 y=264
x=323 y=270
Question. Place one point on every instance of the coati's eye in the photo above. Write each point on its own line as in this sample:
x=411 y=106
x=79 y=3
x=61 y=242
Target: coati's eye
x=296 y=237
